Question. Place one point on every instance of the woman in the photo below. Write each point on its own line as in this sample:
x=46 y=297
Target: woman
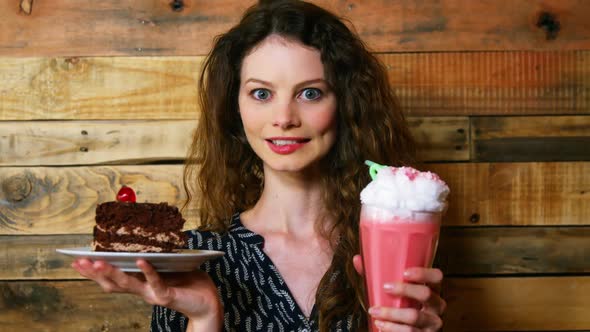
x=293 y=103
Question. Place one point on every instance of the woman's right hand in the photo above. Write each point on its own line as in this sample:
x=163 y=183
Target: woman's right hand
x=191 y=293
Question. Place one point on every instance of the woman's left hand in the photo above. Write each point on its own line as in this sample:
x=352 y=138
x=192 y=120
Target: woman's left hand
x=420 y=284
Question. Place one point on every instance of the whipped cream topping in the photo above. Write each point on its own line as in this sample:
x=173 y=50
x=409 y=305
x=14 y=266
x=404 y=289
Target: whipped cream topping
x=405 y=188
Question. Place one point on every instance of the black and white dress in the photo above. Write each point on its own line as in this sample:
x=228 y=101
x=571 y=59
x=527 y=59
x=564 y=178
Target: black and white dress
x=254 y=295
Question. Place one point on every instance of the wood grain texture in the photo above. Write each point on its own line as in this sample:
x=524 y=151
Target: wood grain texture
x=99 y=88
x=475 y=304
x=427 y=84
x=464 y=251
x=469 y=251
x=35 y=143
x=467 y=25
x=135 y=27
x=34 y=257
x=532 y=138
x=516 y=193
x=94 y=142
x=63 y=200
x=46 y=200
x=130 y=27
x=517 y=304
x=441 y=138
x=69 y=306
x=489 y=83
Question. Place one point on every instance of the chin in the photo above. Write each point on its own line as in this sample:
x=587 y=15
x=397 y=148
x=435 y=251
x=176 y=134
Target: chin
x=291 y=165
x=285 y=167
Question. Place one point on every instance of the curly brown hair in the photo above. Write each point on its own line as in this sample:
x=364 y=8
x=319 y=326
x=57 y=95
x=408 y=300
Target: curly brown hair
x=223 y=175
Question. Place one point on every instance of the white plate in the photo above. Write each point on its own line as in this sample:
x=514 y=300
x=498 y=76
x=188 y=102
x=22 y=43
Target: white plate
x=182 y=261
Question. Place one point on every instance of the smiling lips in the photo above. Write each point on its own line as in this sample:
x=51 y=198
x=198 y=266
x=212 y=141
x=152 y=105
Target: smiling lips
x=286 y=145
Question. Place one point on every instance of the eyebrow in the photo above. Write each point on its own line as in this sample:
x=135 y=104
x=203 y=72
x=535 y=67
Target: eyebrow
x=298 y=85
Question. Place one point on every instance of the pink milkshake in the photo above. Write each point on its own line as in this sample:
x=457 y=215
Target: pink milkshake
x=399 y=224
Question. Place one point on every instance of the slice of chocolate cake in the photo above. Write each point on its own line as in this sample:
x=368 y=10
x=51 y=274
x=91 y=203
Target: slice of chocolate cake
x=138 y=227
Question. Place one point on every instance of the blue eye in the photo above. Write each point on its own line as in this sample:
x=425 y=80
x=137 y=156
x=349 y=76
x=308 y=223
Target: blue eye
x=261 y=94
x=311 y=93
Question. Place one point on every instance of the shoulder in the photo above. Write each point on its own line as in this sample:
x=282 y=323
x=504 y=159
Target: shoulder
x=236 y=236
x=239 y=245
x=205 y=240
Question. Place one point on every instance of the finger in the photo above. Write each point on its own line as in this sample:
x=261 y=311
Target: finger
x=435 y=305
x=430 y=299
x=385 y=326
x=428 y=276
x=430 y=321
x=78 y=266
x=423 y=275
x=406 y=316
x=153 y=280
x=357 y=262
x=421 y=293
x=124 y=282
x=433 y=279
x=85 y=267
x=108 y=286
x=400 y=315
x=102 y=275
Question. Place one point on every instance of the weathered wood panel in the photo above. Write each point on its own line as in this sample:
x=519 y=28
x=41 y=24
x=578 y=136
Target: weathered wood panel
x=130 y=27
x=69 y=306
x=514 y=250
x=34 y=257
x=462 y=251
x=448 y=25
x=488 y=83
x=62 y=200
x=470 y=83
x=136 y=27
x=495 y=304
x=517 y=193
x=35 y=143
x=441 y=138
x=532 y=138
x=93 y=142
x=98 y=88
x=517 y=304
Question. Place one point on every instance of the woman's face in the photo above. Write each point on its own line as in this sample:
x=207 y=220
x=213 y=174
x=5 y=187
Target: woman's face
x=287 y=108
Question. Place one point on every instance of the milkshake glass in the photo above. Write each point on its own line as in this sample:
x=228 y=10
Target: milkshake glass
x=399 y=225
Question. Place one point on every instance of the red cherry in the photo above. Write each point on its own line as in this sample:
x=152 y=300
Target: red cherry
x=126 y=194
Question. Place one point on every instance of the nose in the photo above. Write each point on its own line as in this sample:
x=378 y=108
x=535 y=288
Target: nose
x=286 y=115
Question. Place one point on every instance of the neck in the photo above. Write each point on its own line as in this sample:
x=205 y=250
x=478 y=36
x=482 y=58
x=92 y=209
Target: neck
x=291 y=204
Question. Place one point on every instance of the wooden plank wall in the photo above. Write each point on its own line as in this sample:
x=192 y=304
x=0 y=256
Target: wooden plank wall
x=102 y=93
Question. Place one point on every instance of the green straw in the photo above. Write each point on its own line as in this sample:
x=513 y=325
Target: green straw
x=374 y=168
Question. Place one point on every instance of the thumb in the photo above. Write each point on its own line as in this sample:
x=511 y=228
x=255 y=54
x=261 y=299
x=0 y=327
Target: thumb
x=357 y=261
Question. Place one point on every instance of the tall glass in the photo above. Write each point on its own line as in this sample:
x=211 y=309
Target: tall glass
x=391 y=242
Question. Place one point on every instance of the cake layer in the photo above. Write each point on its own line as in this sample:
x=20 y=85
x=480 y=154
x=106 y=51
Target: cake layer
x=161 y=242
x=148 y=216
x=173 y=237
x=138 y=227
x=130 y=247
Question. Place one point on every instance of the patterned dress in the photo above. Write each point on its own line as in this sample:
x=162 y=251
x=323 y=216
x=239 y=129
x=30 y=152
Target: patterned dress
x=254 y=295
